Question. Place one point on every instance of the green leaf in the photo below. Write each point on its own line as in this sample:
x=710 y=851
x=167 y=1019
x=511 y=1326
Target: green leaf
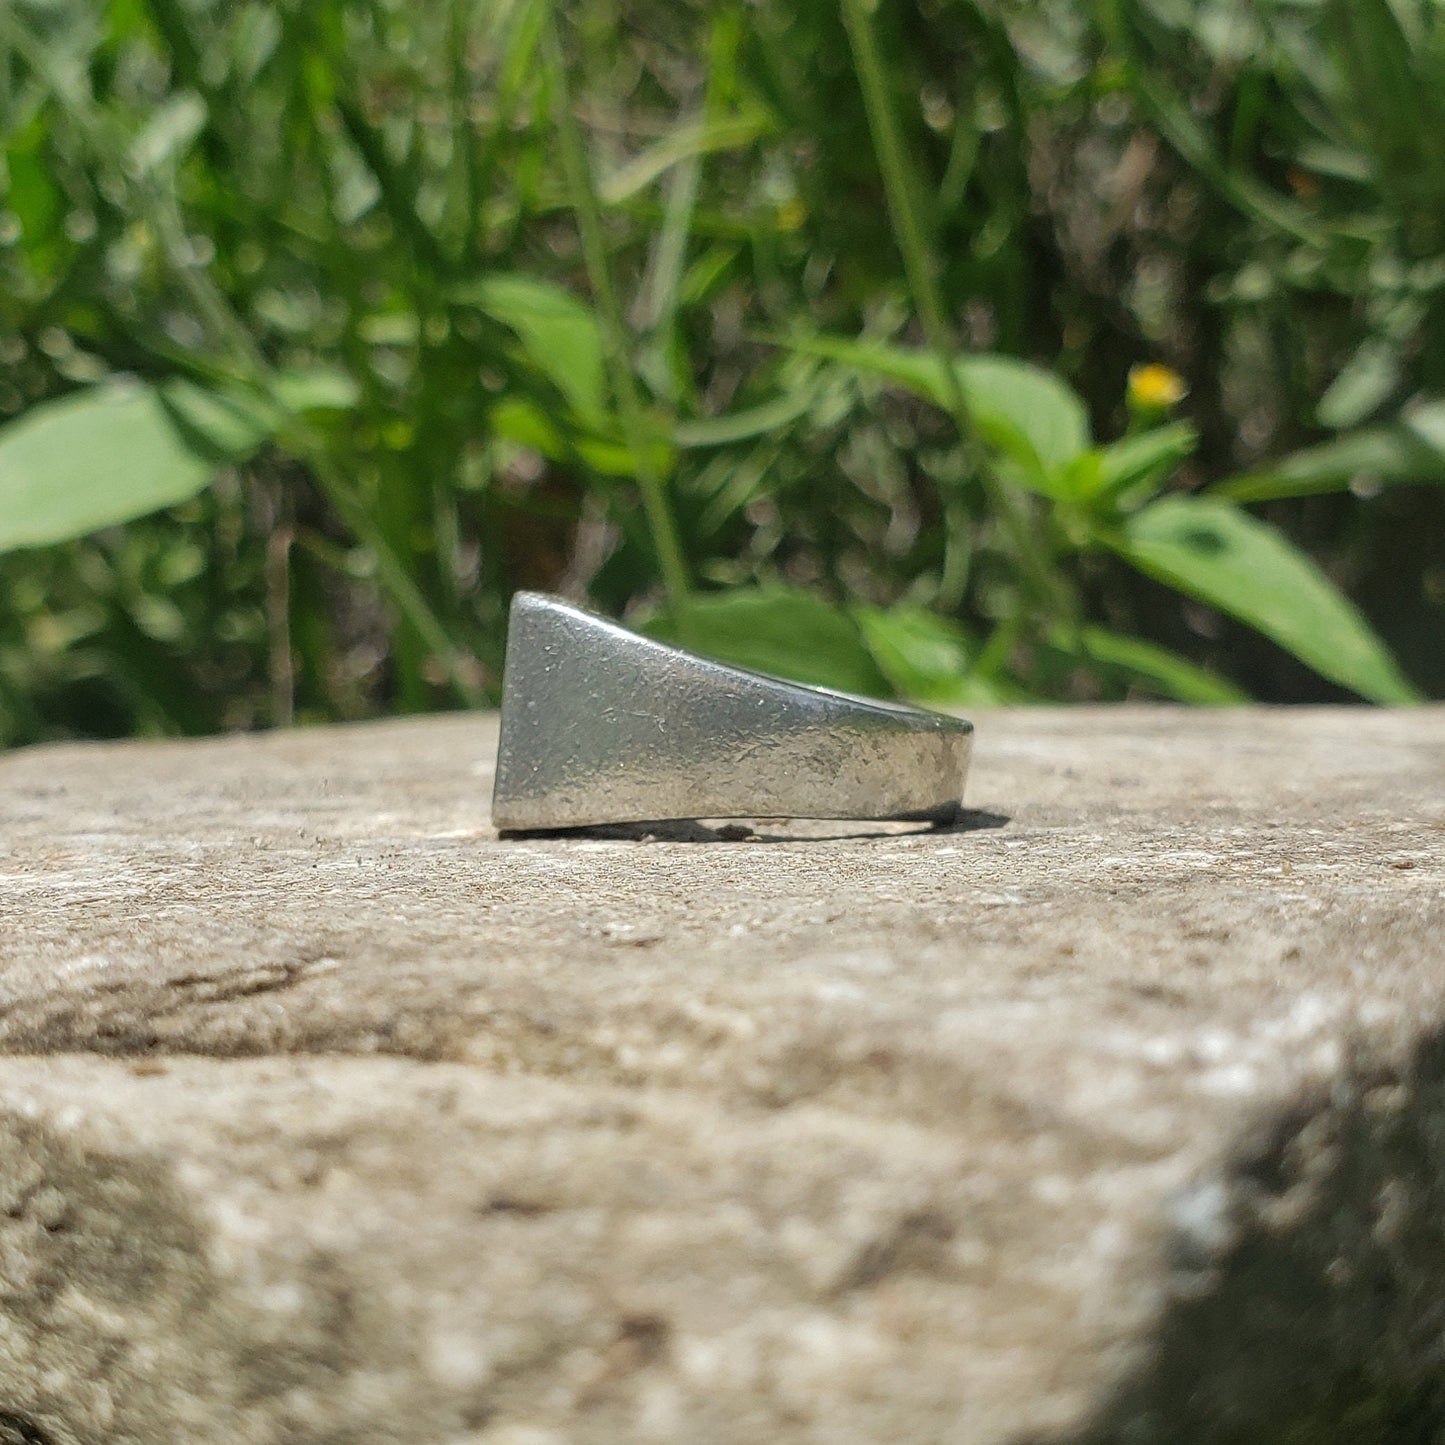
x=1223 y=556
x=171 y=129
x=779 y=630
x=925 y=657
x=1425 y=422
x=1367 y=380
x=559 y=334
x=1021 y=409
x=1140 y=463
x=692 y=138
x=1161 y=670
x=111 y=453
x=219 y=427
x=316 y=388
x=760 y=420
x=527 y=425
x=1396 y=453
x=518 y=421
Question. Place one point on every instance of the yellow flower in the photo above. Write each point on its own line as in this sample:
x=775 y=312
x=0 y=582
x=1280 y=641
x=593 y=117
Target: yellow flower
x=1155 y=387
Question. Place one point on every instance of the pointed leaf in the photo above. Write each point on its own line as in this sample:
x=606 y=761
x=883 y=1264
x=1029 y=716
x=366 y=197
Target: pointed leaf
x=111 y=453
x=1162 y=671
x=1024 y=411
x=558 y=332
x=1223 y=556
x=760 y=420
x=1013 y=402
x=1142 y=462
x=692 y=138
x=1362 y=387
x=1379 y=454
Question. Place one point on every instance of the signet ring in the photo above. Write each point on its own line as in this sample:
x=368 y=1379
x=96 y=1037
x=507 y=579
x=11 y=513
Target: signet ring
x=600 y=725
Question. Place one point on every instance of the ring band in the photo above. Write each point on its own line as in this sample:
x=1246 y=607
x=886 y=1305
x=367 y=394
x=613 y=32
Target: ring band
x=600 y=725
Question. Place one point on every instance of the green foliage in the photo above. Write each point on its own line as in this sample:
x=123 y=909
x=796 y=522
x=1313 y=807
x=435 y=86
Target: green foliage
x=1225 y=557
x=804 y=331
x=1024 y=412
x=1411 y=449
x=1206 y=548
x=558 y=334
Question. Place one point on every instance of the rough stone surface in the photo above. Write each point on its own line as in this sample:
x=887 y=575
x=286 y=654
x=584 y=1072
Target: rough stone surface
x=1116 y=1115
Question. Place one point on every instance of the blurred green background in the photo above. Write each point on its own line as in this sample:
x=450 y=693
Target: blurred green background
x=964 y=350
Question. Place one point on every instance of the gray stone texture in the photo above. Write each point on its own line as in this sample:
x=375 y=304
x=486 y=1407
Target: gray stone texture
x=1117 y=1114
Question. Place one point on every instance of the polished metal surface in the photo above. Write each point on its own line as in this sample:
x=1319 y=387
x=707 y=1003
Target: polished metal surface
x=600 y=725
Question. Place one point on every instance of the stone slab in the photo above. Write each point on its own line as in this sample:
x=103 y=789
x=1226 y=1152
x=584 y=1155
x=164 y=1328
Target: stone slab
x=1116 y=1114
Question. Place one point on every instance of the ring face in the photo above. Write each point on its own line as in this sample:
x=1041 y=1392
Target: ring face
x=600 y=725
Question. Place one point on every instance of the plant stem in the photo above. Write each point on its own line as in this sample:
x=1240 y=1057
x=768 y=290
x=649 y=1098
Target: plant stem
x=1036 y=571
x=392 y=571
x=626 y=392
x=903 y=210
x=467 y=161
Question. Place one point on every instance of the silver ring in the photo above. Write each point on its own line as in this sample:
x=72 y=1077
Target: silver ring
x=602 y=726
